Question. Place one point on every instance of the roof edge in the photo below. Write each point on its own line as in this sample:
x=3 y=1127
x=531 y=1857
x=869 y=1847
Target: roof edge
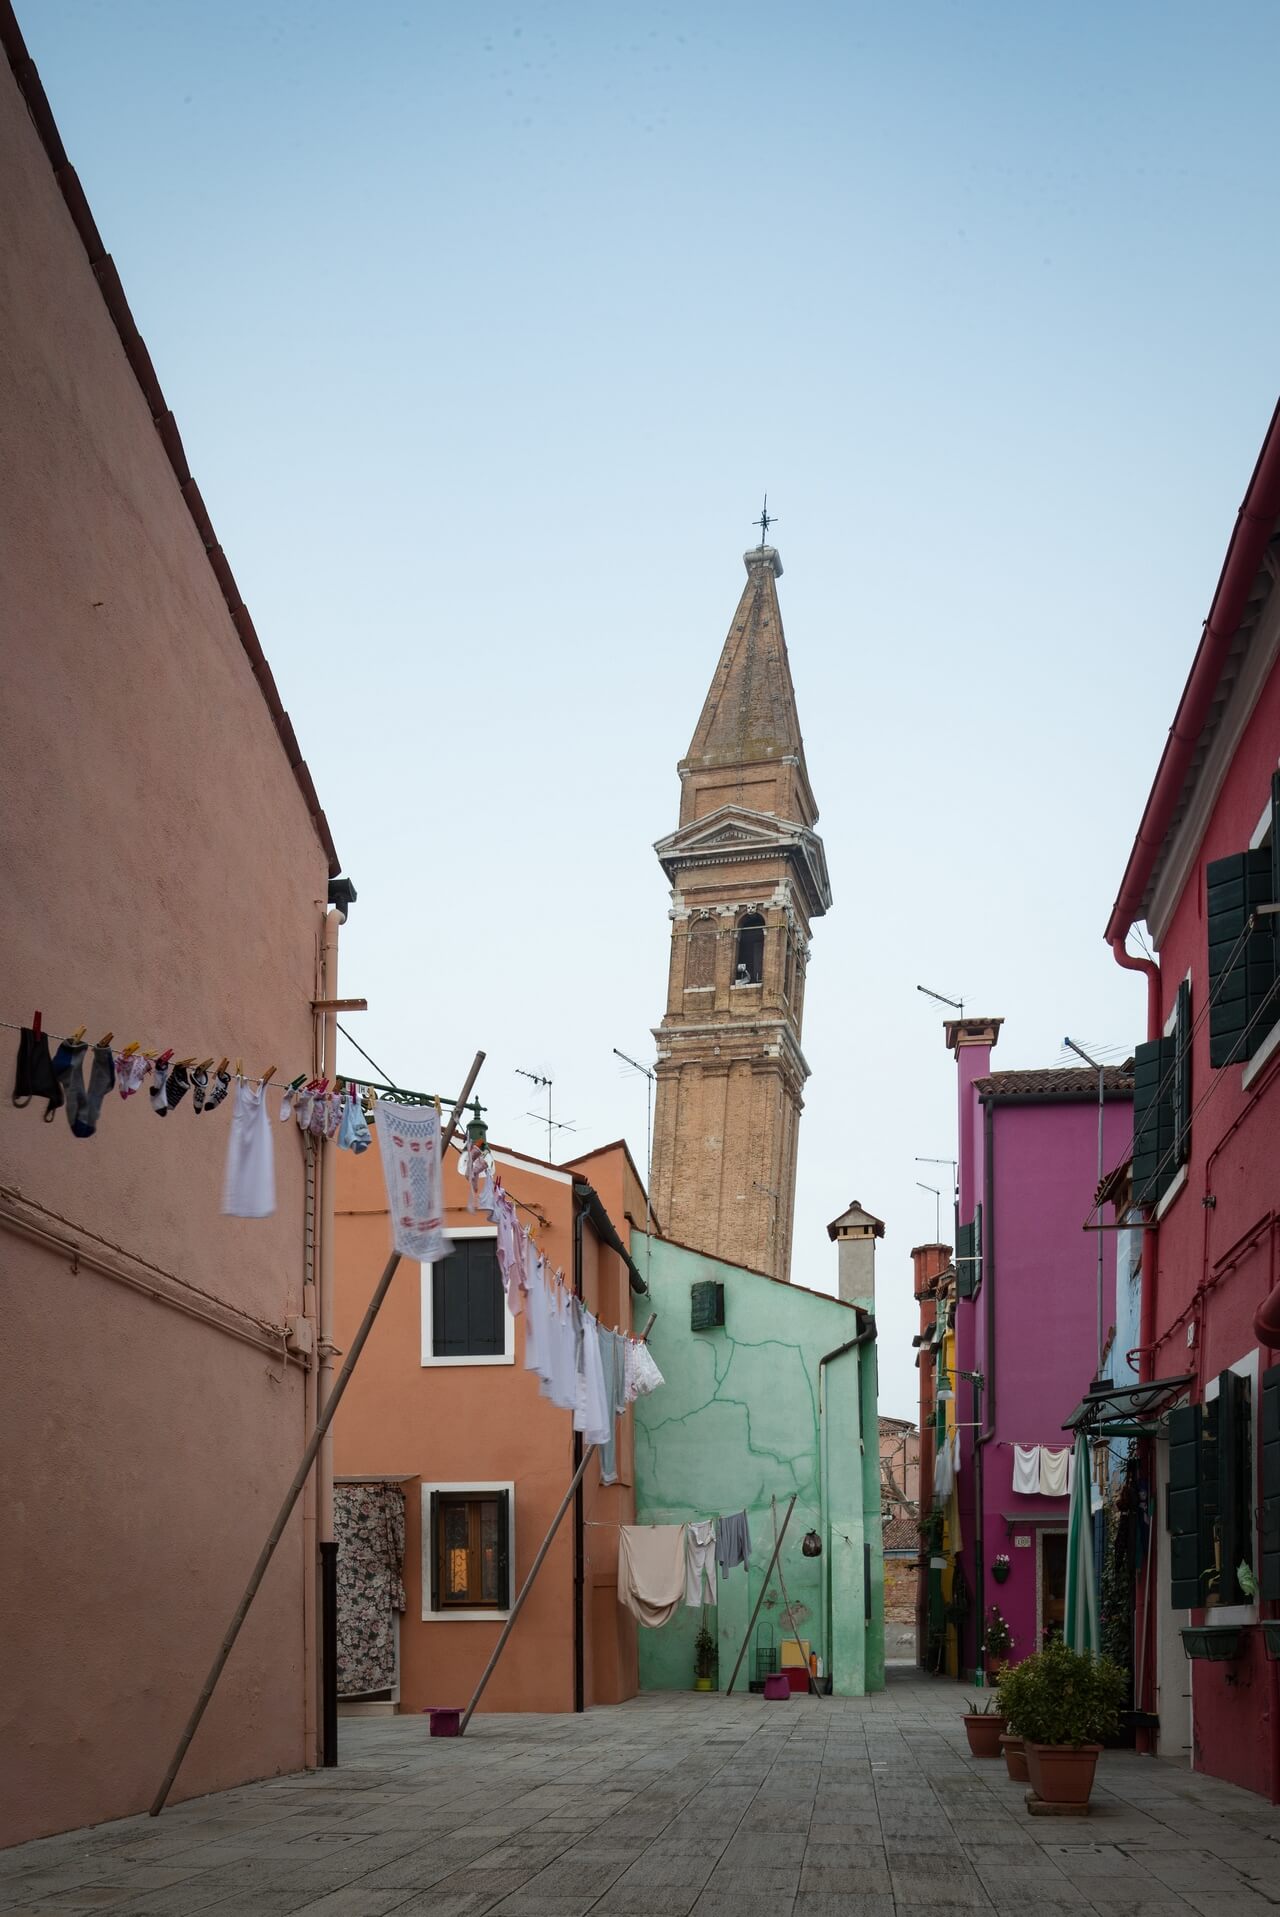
x=31 y=88
x=1250 y=537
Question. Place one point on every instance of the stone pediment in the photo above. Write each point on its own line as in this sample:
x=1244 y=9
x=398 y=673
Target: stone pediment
x=734 y=834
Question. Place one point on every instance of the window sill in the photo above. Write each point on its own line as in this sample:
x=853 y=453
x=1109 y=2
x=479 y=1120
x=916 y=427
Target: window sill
x=1179 y=1180
x=490 y=1616
x=472 y=1358
x=1265 y=1052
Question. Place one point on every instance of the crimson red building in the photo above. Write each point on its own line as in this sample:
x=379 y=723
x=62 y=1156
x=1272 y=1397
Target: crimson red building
x=1204 y=874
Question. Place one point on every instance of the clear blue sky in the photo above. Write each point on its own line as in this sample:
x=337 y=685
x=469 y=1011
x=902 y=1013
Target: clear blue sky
x=486 y=329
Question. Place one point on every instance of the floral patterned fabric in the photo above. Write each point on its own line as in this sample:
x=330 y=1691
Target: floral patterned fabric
x=368 y=1523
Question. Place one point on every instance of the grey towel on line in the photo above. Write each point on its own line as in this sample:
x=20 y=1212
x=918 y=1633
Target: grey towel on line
x=733 y=1541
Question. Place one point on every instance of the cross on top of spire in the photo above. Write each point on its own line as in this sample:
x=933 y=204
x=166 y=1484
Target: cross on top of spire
x=764 y=522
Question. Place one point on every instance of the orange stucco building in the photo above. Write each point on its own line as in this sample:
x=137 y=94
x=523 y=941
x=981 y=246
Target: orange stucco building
x=468 y=1438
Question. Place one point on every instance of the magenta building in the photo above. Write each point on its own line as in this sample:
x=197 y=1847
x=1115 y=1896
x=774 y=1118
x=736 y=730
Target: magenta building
x=1026 y=1321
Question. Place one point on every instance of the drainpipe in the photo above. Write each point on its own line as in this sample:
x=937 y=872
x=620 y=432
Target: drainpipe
x=986 y=1418
x=579 y=1532
x=326 y=1351
x=865 y=1336
x=1146 y=1352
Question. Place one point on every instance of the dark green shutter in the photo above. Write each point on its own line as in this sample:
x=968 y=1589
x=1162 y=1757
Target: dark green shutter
x=1183 y=1509
x=1242 y=970
x=977 y=1249
x=964 y=1261
x=1182 y=1075
x=503 y=1599
x=706 y=1305
x=433 y=1548
x=1154 y=1073
x=1233 y=1485
x=467 y=1303
x=1269 y=1516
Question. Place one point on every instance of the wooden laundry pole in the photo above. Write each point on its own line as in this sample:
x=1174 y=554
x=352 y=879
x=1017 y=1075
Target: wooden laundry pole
x=742 y=1649
x=791 y=1616
x=536 y=1566
x=300 y=1477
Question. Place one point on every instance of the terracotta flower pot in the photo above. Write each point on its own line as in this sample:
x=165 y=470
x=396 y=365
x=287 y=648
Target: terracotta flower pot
x=1062 y=1773
x=996 y=1668
x=983 y=1732
x=1015 y=1758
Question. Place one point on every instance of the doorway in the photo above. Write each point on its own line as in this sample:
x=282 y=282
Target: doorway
x=1051 y=1608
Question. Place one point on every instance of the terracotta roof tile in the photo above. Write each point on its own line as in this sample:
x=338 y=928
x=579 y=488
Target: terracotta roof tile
x=1069 y=1081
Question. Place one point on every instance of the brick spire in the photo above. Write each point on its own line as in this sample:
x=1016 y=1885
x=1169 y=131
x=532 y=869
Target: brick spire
x=747 y=747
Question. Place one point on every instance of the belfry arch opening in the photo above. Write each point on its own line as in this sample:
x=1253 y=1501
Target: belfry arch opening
x=748 y=958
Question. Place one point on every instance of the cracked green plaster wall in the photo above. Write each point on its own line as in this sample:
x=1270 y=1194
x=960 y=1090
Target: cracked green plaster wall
x=736 y=1424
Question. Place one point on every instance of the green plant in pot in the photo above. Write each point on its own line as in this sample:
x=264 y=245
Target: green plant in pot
x=982 y=1726
x=704 y=1659
x=997 y=1642
x=1063 y=1703
x=1009 y=1692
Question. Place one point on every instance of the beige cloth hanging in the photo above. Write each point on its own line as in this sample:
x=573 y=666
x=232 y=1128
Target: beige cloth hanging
x=651 y=1570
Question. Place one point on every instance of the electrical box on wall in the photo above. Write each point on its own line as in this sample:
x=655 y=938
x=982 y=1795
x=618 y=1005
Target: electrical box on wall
x=706 y=1306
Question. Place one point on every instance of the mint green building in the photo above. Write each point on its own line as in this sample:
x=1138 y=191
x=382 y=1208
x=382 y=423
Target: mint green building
x=778 y=1396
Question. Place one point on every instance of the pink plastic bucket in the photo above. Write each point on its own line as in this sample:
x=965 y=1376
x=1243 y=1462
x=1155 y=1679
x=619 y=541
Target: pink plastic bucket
x=777 y=1686
x=444 y=1722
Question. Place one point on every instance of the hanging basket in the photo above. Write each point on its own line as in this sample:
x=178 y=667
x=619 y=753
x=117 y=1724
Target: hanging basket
x=1000 y=1572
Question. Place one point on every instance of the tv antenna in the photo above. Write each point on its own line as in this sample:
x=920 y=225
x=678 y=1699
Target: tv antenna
x=956 y=1003
x=540 y=1079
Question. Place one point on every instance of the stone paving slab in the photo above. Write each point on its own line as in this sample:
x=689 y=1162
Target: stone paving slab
x=673 y=1806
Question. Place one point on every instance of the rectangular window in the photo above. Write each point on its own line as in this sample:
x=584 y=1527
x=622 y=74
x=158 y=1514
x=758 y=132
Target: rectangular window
x=1244 y=952
x=466 y=1545
x=1162 y=1105
x=464 y=1312
x=1210 y=1497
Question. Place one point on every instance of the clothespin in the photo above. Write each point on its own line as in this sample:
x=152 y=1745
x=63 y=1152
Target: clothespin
x=222 y=1065
x=296 y=1082
x=36 y=1026
x=185 y=1061
x=106 y=1038
x=239 y=1068
x=269 y=1074
x=322 y=1085
x=437 y=1105
x=164 y=1057
x=78 y=1034
x=130 y=1048
x=204 y=1064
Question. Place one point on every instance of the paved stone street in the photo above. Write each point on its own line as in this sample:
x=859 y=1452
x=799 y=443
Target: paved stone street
x=668 y=1805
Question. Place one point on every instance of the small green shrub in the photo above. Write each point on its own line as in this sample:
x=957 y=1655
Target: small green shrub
x=704 y=1654
x=1061 y=1696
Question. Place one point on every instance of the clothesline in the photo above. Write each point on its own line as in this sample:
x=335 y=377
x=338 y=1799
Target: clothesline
x=138 y=1050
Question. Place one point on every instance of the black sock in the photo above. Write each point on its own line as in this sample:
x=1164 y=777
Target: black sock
x=177 y=1086
x=219 y=1092
x=68 y=1066
x=34 y=1076
x=102 y=1077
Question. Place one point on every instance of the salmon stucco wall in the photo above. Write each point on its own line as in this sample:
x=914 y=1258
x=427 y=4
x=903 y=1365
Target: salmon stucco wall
x=162 y=879
x=736 y=1425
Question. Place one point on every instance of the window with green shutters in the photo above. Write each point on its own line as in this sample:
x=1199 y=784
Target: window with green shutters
x=965 y=1286
x=1269 y=1515
x=1244 y=957
x=1208 y=1508
x=1162 y=1105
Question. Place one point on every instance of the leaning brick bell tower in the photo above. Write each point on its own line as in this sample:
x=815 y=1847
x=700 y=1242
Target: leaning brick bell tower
x=748 y=877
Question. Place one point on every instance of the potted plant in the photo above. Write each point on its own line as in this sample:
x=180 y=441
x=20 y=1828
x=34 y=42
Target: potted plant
x=1015 y=1757
x=1000 y=1569
x=997 y=1643
x=704 y=1659
x=983 y=1725
x=1067 y=1702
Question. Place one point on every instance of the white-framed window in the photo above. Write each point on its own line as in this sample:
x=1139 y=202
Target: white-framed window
x=468 y=1550
x=465 y=1320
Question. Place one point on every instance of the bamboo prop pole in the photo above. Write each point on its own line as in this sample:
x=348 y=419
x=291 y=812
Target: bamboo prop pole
x=300 y=1476
x=535 y=1567
x=791 y=1616
x=742 y=1649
